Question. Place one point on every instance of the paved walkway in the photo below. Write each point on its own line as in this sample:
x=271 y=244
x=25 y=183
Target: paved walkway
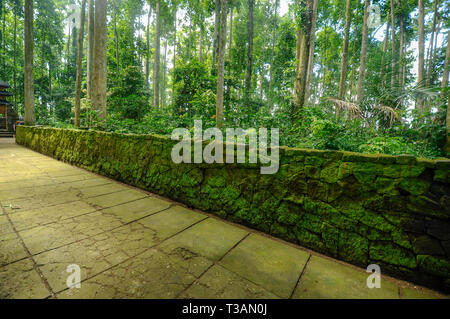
x=132 y=244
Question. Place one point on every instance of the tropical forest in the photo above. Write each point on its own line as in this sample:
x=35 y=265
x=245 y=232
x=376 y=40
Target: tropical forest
x=353 y=75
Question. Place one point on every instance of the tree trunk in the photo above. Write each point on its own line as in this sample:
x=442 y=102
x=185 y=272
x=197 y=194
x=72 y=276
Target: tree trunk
x=432 y=44
x=116 y=43
x=248 y=78
x=393 y=47
x=344 y=61
x=445 y=91
x=303 y=50
x=421 y=44
x=147 y=60
x=230 y=43
x=364 y=43
x=383 y=57
x=402 y=54
x=446 y=66
x=90 y=54
x=200 y=48
x=79 y=65
x=311 y=52
x=157 y=57
x=216 y=32
x=221 y=63
x=163 y=91
x=99 y=59
x=28 y=67
x=175 y=41
x=274 y=30
x=15 y=55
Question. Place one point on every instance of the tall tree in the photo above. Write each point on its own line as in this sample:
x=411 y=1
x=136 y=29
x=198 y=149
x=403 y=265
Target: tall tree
x=79 y=65
x=248 y=78
x=99 y=59
x=311 y=51
x=29 y=55
x=157 y=55
x=421 y=44
x=344 y=60
x=304 y=18
x=393 y=47
x=216 y=32
x=363 y=58
x=383 y=57
x=432 y=43
x=90 y=45
x=147 y=55
x=221 y=62
x=272 y=55
x=445 y=91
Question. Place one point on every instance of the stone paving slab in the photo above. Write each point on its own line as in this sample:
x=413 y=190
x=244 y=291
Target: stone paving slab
x=268 y=263
x=20 y=280
x=325 y=278
x=11 y=249
x=131 y=244
x=220 y=283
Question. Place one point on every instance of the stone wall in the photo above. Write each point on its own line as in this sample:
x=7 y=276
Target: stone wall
x=393 y=211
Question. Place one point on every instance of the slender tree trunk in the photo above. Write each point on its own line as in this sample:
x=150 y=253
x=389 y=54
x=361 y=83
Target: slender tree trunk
x=28 y=76
x=4 y=37
x=383 y=57
x=303 y=50
x=200 y=49
x=230 y=44
x=393 y=47
x=362 y=65
x=344 y=60
x=216 y=33
x=432 y=44
x=311 y=52
x=99 y=59
x=147 y=60
x=174 y=50
x=402 y=53
x=90 y=53
x=446 y=67
x=445 y=91
x=433 y=58
x=116 y=43
x=190 y=39
x=248 y=78
x=421 y=68
x=163 y=95
x=79 y=65
x=15 y=55
x=68 y=45
x=221 y=63
x=274 y=30
x=157 y=57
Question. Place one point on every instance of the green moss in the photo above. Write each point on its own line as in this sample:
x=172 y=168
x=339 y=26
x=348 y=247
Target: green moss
x=434 y=265
x=359 y=208
x=391 y=253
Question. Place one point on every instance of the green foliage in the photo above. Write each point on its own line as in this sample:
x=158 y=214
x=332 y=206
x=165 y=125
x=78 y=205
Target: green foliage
x=128 y=97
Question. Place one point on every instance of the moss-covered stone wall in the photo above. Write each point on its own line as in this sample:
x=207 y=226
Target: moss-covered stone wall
x=393 y=211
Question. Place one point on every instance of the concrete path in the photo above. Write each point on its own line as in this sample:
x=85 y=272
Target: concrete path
x=132 y=244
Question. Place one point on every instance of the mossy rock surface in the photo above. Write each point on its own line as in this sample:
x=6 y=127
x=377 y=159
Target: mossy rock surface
x=363 y=209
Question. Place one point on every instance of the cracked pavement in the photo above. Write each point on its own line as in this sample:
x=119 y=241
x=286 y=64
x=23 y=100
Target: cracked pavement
x=132 y=244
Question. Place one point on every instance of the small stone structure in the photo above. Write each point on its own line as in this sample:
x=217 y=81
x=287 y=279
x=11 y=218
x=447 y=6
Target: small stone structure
x=8 y=115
